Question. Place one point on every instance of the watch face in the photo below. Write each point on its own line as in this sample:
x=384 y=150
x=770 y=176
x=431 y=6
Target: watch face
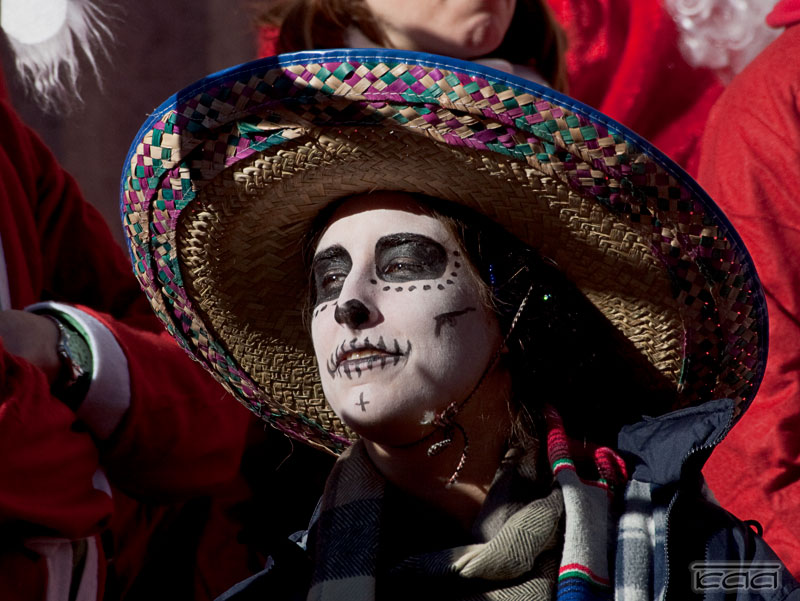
x=75 y=342
x=75 y=355
x=79 y=350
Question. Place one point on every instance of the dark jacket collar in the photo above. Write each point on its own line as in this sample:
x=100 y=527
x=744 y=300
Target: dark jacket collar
x=656 y=448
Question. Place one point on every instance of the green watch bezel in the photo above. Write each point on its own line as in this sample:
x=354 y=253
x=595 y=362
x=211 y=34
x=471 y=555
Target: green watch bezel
x=74 y=353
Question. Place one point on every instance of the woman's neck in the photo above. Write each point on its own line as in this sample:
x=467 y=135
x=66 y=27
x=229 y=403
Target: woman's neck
x=486 y=421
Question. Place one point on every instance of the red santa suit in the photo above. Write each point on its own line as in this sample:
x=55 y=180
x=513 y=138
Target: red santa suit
x=154 y=426
x=750 y=165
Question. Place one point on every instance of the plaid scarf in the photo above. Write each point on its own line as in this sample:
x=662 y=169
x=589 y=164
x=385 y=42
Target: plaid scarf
x=535 y=537
x=512 y=555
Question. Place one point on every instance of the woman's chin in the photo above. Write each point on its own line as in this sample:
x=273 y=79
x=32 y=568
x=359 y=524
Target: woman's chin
x=483 y=38
x=387 y=430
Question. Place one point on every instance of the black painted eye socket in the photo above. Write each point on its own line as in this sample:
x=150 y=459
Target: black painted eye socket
x=329 y=271
x=409 y=257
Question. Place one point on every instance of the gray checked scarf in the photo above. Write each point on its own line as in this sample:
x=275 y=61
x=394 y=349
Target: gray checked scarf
x=366 y=528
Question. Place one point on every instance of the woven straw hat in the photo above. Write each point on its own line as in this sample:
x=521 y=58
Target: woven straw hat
x=224 y=178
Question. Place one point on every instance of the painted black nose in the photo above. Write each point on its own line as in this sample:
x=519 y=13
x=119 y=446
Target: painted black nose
x=353 y=313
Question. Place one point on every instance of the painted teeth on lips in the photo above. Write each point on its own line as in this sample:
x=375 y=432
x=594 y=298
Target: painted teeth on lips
x=366 y=351
x=363 y=354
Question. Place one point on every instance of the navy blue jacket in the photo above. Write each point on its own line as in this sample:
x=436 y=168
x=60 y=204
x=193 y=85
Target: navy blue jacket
x=707 y=553
x=701 y=551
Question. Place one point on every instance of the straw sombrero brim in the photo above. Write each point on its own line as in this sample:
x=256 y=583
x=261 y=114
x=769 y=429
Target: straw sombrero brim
x=225 y=179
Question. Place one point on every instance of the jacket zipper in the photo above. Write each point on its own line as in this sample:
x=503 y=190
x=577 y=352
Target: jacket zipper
x=688 y=456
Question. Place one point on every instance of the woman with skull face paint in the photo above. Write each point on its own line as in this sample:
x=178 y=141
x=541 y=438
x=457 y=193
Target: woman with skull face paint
x=488 y=400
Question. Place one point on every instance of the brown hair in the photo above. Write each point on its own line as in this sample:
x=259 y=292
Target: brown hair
x=534 y=38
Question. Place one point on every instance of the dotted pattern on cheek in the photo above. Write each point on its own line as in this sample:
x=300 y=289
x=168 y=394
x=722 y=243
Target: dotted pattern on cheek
x=322 y=308
x=455 y=268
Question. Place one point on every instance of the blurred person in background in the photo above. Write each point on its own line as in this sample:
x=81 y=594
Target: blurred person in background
x=750 y=164
x=517 y=37
x=110 y=470
x=618 y=56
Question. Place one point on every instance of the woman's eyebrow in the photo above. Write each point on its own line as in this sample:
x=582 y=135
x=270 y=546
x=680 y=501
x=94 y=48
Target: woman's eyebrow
x=393 y=240
x=332 y=253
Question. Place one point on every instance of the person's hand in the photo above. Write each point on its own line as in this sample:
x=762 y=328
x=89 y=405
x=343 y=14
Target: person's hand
x=33 y=338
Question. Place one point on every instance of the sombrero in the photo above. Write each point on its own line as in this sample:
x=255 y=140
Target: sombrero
x=224 y=178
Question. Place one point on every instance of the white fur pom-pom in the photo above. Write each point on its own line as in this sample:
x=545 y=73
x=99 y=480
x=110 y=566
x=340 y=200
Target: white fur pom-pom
x=45 y=36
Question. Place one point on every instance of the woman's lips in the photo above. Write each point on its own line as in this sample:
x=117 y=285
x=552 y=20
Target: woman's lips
x=365 y=356
x=368 y=360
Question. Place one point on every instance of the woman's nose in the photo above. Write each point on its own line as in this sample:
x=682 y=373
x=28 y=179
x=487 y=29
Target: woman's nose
x=356 y=307
x=352 y=313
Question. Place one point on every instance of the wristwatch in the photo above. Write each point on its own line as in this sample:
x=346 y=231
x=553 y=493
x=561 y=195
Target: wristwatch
x=75 y=374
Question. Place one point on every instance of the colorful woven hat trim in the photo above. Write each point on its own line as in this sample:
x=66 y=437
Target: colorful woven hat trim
x=241 y=113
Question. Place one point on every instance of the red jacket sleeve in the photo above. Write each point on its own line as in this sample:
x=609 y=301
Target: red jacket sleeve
x=48 y=463
x=181 y=435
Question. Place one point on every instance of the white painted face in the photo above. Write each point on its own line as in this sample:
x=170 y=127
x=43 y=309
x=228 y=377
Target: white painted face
x=460 y=28
x=399 y=327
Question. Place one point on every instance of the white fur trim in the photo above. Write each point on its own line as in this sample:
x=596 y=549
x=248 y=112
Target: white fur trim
x=724 y=35
x=87 y=591
x=45 y=47
x=57 y=553
x=5 y=289
x=109 y=395
x=32 y=22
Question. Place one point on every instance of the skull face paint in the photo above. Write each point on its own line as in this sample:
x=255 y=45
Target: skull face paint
x=407 y=352
x=409 y=257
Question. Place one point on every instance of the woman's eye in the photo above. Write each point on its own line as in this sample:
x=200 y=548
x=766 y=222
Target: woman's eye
x=328 y=285
x=406 y=257
x=330 y=269
x=403 y=266
x=332 y=281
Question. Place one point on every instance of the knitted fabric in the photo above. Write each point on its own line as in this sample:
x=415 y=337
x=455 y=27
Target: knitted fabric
x=589 y=477
x=554 y=544
x=512 y=555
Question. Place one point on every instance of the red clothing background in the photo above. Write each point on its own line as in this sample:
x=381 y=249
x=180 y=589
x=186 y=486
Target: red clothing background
x=750 y=165
x=623 y=59
x=181 y=436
